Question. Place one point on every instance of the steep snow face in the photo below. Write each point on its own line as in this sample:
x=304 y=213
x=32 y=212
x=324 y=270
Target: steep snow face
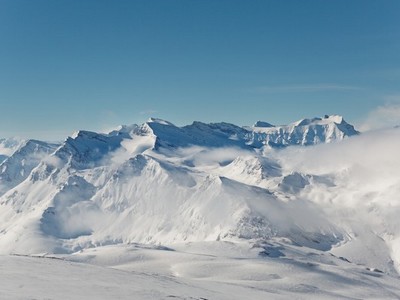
x=304 y=132
x=168 y=135
x=151 y=201
x=148 y=200
x=68 y=215
x=87 y=149
x=252 y=170
x=19 y=165
x=217 y=134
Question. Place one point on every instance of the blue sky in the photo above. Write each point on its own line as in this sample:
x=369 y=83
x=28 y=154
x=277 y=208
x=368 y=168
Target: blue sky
x=94 y=64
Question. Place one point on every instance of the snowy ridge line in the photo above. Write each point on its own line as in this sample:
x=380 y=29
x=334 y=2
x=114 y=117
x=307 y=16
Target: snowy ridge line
x=160 y=184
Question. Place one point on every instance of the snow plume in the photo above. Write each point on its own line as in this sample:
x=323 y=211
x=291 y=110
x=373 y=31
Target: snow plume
x=365 y=171
x=374 y=154
x=53 y=161
x=387 y=115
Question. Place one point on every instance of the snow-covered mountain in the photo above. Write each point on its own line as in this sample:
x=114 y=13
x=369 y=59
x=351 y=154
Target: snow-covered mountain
x=303 y=132
x=17 y=167
x=156 y=183
x=8 y=147
x=160 y=184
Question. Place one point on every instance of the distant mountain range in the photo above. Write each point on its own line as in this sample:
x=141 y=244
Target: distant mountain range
x=162 y=184
x=87 y=149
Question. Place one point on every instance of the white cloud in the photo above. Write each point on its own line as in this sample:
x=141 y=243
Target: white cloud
x=387 y=115
x=376 y=150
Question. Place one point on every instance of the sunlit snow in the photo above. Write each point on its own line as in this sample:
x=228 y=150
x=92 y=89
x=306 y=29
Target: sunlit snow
x=205 y=211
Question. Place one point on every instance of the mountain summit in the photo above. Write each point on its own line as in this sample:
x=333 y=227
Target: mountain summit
x=159 y=183
x=303 y=132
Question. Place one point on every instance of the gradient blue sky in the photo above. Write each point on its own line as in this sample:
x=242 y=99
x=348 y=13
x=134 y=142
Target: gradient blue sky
x=94 y=64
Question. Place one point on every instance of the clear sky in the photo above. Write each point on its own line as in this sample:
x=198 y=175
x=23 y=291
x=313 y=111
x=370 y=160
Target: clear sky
x=94 y=64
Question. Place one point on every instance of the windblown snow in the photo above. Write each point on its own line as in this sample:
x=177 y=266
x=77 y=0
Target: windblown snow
x=204 y=211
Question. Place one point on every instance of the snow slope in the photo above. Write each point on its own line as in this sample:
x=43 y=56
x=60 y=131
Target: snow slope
x=17 y=167
x=228 y=197
x=208 y=270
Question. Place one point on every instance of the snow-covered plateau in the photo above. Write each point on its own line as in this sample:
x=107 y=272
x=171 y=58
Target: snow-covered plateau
x=308 y=210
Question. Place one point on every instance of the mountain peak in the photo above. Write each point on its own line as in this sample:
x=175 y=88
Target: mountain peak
x=334 y=118
x=262 y=124
x=122 y=129
x=82 y=133
x=327 y=119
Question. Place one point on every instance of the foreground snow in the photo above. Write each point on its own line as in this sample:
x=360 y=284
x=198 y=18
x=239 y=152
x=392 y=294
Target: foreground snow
x=215 y=270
